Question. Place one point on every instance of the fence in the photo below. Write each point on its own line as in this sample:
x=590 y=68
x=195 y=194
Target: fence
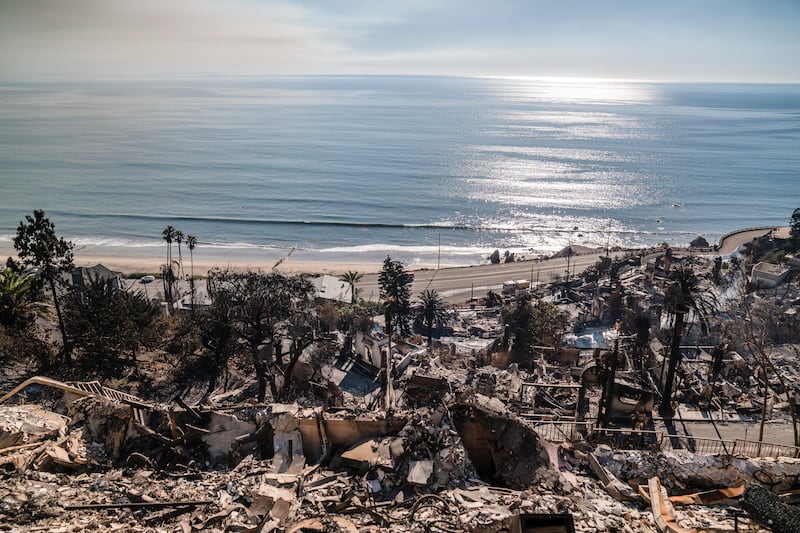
x=753 y=448
x=623 y=438
x=627 y=439
x=571 y=431
x=558 y=431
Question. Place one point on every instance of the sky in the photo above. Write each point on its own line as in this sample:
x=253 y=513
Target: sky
x=663 y=40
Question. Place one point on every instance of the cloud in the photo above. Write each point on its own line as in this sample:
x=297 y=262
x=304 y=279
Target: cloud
x=100 y=37
x=712 y=40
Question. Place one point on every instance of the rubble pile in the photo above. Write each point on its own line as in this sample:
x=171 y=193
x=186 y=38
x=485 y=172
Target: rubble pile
x=466 y=465
x=464 y=440
x=503 y=447
x=682 y=471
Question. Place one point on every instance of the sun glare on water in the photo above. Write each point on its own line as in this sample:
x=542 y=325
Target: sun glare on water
x=579 y=90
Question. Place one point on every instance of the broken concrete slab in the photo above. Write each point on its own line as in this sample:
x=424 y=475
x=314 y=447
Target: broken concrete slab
x=223 y=429
x=663 y=512
x=615 y=487
x=369 y=453
x=25 y=424
x=419 y=472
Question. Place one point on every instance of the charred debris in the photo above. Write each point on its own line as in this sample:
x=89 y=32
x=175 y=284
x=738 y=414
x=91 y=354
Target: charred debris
x=544 y=411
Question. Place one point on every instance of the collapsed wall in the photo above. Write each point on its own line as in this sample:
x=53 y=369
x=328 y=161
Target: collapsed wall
x=503 y=448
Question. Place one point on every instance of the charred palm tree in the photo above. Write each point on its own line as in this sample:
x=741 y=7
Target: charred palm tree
x=684 y=297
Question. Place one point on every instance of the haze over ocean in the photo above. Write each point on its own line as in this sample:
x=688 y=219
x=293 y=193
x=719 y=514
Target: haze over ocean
x=355 y=167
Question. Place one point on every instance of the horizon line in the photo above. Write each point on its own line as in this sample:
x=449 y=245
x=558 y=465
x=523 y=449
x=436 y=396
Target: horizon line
x=520 y=77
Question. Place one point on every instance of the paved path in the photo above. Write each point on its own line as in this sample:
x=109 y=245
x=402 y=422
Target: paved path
x=732 y=241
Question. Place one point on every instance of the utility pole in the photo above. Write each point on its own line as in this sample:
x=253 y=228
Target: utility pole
x=439 y=256
x=569 y=253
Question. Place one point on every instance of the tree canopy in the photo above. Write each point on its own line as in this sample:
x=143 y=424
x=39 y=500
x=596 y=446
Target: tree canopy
x=18 y=297
x=395 y=291
x=351 y=277
x=794 y=229
x=431 y=310
x=38 y=246
x=538 y=323
x=258 y=303
x=106 y=323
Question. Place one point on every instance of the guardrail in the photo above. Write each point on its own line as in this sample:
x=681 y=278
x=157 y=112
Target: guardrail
x=732 y=233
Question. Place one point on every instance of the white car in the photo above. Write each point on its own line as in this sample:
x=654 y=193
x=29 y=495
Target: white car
x=147 y=279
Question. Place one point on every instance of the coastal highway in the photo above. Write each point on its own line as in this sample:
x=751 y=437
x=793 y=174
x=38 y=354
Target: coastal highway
x=459 y=284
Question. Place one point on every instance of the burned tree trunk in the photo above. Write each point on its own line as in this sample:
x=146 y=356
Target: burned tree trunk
x=674 y=360
x=767 y=508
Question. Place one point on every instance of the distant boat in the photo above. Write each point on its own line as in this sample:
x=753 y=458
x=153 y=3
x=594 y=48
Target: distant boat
x=677 y=205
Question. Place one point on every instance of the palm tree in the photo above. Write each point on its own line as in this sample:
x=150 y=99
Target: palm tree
x=168 y=276
x=432 y=310
x=683 y=296
x=179 y=239
x=191 y=242
x=351 y=277
x=17 y=299
x=168 y=235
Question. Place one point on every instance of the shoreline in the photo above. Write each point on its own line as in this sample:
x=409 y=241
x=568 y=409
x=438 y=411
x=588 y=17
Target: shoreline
x=149 y=260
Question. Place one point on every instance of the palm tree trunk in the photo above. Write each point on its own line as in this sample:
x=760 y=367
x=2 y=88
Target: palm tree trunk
x=191 y=274
x=430 y=335
x=181 y=274
x=674 y=360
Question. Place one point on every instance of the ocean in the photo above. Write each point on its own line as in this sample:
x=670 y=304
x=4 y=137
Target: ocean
x=425 y=169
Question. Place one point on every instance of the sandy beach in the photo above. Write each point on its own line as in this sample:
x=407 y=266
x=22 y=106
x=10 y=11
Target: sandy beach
x=150 y=260
x=132 y=260
x=129 y=265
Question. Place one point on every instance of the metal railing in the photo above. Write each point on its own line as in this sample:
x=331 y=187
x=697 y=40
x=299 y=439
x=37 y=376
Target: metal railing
x=753 y=448
x=562 y=431
x=625 y=438
x=699 y=445
x=628 y=439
